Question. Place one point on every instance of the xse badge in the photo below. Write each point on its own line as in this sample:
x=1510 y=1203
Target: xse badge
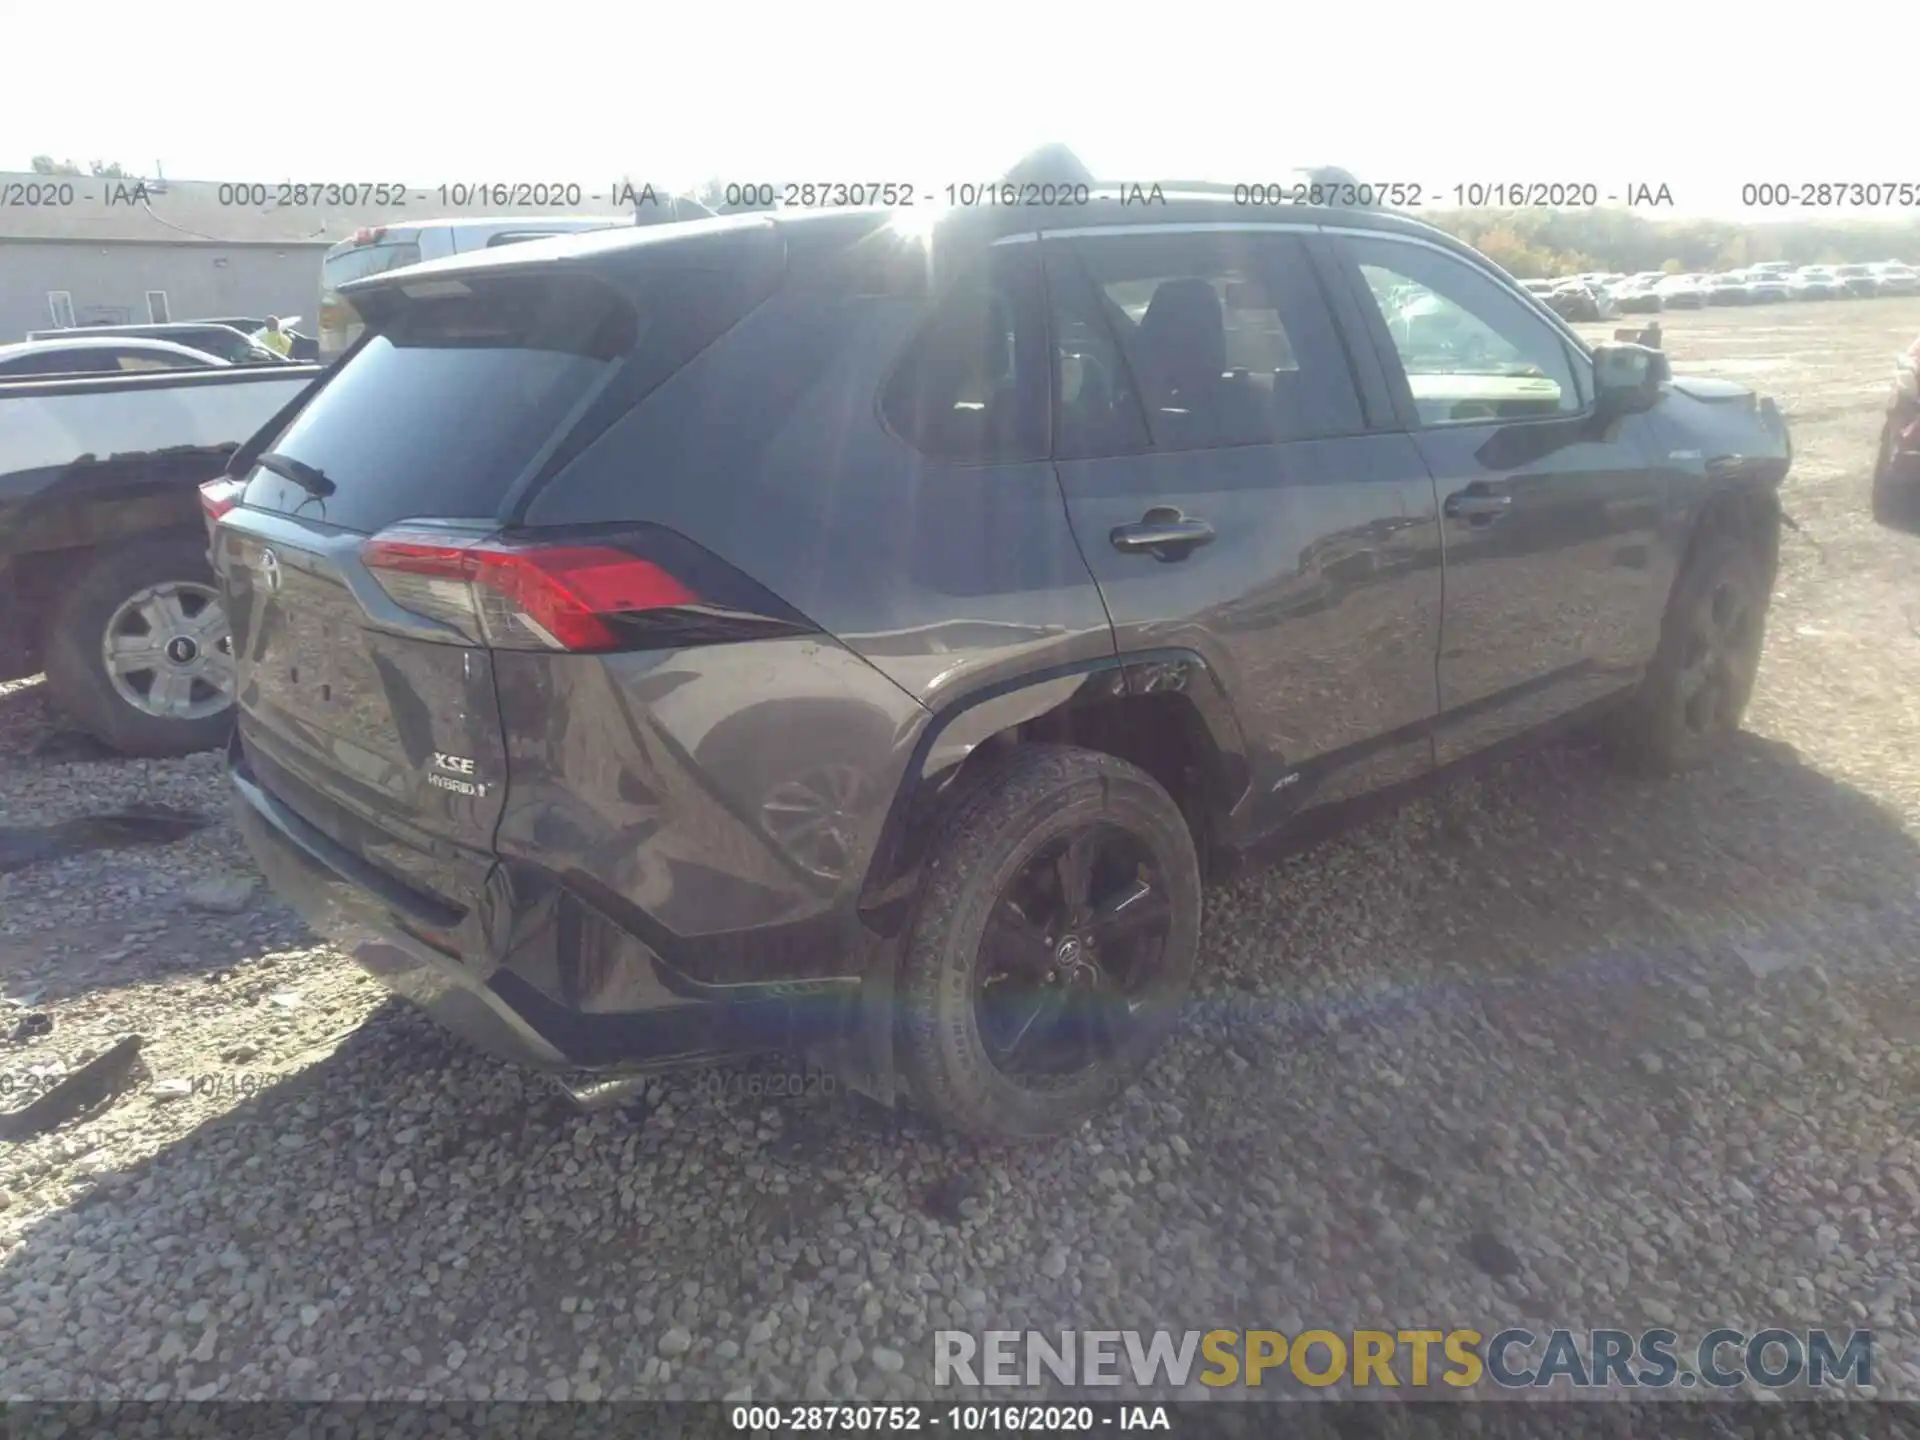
x=458 y=765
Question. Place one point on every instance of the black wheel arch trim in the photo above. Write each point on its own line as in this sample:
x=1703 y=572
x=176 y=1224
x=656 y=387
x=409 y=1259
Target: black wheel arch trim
x=1103 y=680
x=1741 y=501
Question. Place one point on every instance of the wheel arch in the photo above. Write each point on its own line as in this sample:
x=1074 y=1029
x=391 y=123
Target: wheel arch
x=1163 y=710
x=1749 y=512
x=42 y=577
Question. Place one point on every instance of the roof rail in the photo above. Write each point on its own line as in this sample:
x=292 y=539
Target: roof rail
x=1057 y=165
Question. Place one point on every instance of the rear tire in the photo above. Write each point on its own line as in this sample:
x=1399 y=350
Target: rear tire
x=1695 y=693
x=161 y=588
x=1028 y=999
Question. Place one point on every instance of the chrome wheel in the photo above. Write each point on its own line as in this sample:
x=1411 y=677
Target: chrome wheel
x=168 y=651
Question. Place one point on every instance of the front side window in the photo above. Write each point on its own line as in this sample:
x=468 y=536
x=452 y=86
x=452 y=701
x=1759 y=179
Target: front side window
x=1471 y=350
x=972 y=387
x=1226 y=337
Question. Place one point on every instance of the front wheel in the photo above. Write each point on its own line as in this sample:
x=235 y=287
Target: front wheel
x=1057 y=935
x=1695 y=693
x=138 y=652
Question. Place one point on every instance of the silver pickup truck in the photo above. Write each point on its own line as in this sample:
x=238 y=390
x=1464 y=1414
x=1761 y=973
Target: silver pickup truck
x=104 y=582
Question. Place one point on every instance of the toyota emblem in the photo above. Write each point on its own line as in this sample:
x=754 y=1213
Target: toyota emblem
x=270 y=569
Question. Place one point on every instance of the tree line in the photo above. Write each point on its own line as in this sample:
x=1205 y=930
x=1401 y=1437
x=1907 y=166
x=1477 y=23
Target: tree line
x=99 y=169
x=1540 y=243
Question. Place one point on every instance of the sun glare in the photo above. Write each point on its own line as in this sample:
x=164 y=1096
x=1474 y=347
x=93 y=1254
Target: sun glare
x=917 y=222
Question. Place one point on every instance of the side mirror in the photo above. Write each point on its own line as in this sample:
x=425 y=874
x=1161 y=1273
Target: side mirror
x=1627 y=378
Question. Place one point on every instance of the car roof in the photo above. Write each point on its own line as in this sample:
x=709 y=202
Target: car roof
x=485 y=224
x=155 y=330
x=107 y=342
x=960 y=228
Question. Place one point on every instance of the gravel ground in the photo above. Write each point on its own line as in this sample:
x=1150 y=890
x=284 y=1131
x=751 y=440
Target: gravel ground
x=1557 y=1047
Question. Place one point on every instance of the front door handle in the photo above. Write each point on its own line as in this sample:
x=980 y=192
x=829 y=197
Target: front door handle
x=1477 y=507
x=1164 y=533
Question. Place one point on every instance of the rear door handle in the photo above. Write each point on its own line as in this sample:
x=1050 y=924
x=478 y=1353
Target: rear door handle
x=1164 y=533
x=1477 y=507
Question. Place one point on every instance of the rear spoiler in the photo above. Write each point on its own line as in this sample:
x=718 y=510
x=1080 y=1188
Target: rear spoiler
x=1650 y=337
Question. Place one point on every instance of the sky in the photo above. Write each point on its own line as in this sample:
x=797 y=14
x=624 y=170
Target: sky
x=1691 y=97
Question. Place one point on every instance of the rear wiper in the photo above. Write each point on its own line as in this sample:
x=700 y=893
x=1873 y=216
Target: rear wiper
x=313 y=481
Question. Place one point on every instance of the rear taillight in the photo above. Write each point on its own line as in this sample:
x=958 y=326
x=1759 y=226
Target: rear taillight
x=219 y=496
x=570 y=596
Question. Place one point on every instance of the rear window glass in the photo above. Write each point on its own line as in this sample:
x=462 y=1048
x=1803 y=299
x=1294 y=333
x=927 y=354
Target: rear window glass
x=451 y=401
x=337 y=270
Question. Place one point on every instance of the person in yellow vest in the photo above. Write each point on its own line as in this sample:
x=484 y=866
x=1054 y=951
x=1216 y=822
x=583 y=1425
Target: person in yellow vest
x=276 y=339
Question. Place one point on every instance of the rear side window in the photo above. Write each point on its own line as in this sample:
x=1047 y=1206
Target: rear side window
x=230 y=346
x=1227 y=337
x=972 y=387
x=49 y=364
x=461 y=390
x=146 y=360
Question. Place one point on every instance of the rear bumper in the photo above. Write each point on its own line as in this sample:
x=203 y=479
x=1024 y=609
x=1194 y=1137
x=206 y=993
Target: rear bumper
x=534 y=977
x=315 y=878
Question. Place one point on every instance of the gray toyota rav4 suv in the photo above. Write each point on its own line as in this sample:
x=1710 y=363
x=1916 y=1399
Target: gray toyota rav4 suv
x=826 y=633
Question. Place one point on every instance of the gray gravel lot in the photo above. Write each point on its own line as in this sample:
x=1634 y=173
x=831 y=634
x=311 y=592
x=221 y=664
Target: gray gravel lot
x=1647 y=1047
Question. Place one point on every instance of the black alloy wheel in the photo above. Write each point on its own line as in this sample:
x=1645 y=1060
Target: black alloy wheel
x=1068 y=957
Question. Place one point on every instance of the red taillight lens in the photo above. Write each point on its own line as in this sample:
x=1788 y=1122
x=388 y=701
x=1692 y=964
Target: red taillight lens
x=531 y=597
x=219 y=496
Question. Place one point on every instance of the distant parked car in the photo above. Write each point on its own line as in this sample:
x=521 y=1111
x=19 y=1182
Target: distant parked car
x=1858 y=280
x=1634 y=298
x=1767 y=285
x=92 y=354
x=1681 y=292
x=305 y=347
x=1573 y=301
x=1896 y=468
x=1728 y=290
x=1897 y=279
x=1816 y=282
x=223 y=342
